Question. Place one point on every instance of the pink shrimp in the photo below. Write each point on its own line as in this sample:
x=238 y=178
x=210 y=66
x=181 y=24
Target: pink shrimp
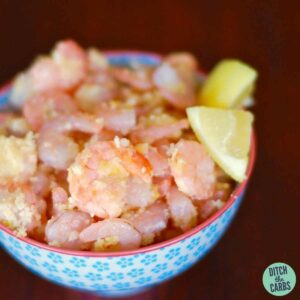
x=72 y=62
x=182 y=60
x=118 y=119
x=44 y=75
x=95 y=89
x=140 y=79
x=157 y=127
x=66 y=68
x=97 y=61
x=151 y=221
x=209 y=206
x=59 y=200
x=55 y=147
x=112 y=234
x=143 y=102
x=43 y=107
x=183 y=212
x=163 y=184
x=158 y=161
x=21 y=210
x=21 y=90
x=174 y=85
x=99 y=176
x=139 y=193
x=41 y=180
x=64 y=229
x=193 y=169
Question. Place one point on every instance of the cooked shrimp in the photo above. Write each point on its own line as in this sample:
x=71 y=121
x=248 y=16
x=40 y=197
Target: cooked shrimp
x=207 y=207
x=21 y=210
x=151 y=221
x=43 y=107
x=18 y=158
x=72 y=62
x=21 y=90
x=163 y=184
x=41 y=180
x=59 y=200
x=112 y=234
x=96 y=88
x=156 y=127
x=143 y=102
x=182 y=60
x=158 y=161
x=99 y=176
x=174 y=86
x=64 y=229
x=65 y=69
x=57 y=150
x=140 y=79
x=193 y=169
x=139 y=193
x=55 y=147
x=44 y=75
x=183 y=212
x=118 y=119
x=97 y=61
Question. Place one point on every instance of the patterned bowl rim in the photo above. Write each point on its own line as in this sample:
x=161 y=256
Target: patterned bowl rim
x=233 y=197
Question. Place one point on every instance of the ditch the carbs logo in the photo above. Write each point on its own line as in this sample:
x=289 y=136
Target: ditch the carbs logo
x=279 y=279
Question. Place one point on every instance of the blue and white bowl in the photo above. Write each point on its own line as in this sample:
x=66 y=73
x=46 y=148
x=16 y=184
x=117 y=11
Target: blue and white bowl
x=127 y=272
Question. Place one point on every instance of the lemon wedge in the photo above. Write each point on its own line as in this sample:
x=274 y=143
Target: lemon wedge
x=226 y=133
x=229 y=84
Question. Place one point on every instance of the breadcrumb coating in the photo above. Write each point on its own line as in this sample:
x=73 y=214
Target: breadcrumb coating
x=18 y=158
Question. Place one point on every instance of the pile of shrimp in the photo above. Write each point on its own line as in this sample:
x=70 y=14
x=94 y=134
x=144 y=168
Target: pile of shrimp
x=100 y=157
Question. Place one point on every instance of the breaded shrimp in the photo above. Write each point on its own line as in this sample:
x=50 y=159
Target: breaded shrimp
x=158 y=126
x=43 y=107
x=175 y=86
x=95 y=89
x=55 y=147
x=193 y=169
x=112 y=234
x=63 y=230
x=21 y=210
x=150 y=221
x=116 y=118
x=183 y=212
x=140 y=78
x=99 y=176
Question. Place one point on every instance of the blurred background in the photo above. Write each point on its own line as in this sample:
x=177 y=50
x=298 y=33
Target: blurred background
x=265 y=34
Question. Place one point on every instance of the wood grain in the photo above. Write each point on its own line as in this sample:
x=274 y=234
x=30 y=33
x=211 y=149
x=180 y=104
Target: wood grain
x=263 y=33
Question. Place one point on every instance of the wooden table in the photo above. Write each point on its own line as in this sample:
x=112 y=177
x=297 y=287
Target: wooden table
x=264 y=34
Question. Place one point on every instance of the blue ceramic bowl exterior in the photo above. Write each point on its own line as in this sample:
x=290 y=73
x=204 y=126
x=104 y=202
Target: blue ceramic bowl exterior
x=119 y=275
x=122 y=274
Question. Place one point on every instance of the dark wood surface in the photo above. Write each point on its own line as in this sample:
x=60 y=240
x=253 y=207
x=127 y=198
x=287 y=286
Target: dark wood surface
x=265 y=34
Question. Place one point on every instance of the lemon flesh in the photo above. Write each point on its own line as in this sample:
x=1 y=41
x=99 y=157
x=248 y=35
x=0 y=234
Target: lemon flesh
x=226 y=133
x=228 y=85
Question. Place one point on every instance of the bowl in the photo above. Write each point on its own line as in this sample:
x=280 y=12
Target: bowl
x=127 y=272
